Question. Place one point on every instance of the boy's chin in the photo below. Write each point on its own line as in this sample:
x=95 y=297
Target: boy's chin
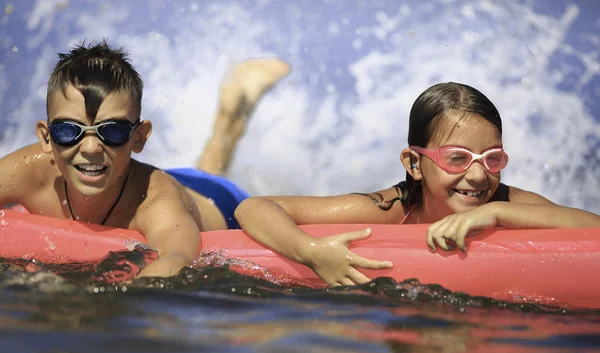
x=89 y=190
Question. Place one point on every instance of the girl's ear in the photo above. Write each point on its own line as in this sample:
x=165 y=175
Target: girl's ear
x=141 y=135
x=43 y=133
x=411 y=161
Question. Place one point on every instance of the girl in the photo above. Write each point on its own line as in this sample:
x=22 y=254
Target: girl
x=453 y=166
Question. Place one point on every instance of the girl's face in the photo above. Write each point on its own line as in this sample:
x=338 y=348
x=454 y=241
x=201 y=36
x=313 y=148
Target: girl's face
x=446 y=193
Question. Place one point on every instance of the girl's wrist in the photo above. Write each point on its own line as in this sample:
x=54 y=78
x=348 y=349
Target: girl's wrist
x=497 y=209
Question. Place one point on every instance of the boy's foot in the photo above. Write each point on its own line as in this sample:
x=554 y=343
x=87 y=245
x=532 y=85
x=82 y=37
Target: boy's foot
x=243 y=89
x=240 y=93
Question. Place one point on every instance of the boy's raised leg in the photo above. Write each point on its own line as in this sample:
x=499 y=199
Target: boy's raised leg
x=239 y=95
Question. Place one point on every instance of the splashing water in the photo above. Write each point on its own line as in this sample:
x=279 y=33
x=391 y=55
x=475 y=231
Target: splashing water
x=357 y=68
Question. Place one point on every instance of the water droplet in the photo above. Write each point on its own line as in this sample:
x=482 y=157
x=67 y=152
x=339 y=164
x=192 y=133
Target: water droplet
x=8 y=9
x=526 y=82
x=15 y=49
x=64 y=202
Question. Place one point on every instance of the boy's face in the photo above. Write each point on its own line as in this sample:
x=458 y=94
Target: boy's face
x=90 y=166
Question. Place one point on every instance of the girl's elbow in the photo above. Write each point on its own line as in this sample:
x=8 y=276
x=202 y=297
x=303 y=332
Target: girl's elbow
x=247 y=206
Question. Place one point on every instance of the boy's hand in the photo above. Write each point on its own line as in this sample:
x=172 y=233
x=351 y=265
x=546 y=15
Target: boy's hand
x=331 y=259
x=457 y=226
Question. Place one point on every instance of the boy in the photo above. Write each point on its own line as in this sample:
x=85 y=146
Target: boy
x=82 y=167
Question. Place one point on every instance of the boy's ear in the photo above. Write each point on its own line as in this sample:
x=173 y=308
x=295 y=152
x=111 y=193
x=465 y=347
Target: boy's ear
x=412 y=163
x=141 y=135
x=43 y=133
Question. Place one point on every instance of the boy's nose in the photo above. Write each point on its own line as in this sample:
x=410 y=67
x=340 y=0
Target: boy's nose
x=91 y=143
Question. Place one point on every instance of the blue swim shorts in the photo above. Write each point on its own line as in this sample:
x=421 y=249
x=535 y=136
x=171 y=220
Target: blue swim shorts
x=226 y=195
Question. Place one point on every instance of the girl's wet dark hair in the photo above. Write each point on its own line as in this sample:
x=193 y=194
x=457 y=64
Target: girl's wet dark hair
x=96 y=70
x=431 y=106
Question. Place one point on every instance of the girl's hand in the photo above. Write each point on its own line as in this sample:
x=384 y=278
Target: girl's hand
x=331 y=259
x=457 y=226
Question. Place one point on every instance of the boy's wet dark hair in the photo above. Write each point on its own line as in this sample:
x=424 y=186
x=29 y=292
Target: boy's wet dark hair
x=431 y=106
x=96 y=70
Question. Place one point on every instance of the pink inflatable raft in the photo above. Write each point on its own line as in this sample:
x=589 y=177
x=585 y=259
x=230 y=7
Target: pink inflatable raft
x=558 y=266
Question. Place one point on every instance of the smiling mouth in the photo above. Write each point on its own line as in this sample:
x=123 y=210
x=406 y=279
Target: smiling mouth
x=469 y=193
x=91 y=169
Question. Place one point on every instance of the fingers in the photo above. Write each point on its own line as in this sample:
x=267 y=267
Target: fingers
x=438 y=232
x=460 y=238
x=351 y=277
x=432 y=233
x=346 y=282
x=356 y=235
x=429 y=241
x=441 y=242
x=435 y=236
x=358 y=277
x=371 y=264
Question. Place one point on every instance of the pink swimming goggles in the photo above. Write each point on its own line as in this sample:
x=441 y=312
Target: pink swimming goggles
x=457 y=159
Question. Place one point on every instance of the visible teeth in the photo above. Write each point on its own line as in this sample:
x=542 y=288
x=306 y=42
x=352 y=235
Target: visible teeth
x=91 y=167
x=470 y=193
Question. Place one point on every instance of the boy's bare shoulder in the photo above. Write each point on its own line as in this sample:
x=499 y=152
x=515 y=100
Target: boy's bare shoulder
x=30 y=157
x=26 y=170
x=162 y=195
x=158 y=186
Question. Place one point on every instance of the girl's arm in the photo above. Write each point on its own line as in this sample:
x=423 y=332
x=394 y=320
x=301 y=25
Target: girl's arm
x=525 y=210
x=530 y=210
x=273 y=222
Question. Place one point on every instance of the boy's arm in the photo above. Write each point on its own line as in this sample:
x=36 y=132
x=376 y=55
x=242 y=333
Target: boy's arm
x=171 y=230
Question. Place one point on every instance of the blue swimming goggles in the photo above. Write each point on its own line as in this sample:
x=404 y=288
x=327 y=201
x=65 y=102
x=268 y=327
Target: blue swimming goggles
x=111 y=133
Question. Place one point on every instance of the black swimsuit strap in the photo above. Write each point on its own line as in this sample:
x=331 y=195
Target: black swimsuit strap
x=501 y=194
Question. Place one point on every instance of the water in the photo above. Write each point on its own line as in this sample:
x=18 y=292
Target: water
x=357 y=68
x=212 y=308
